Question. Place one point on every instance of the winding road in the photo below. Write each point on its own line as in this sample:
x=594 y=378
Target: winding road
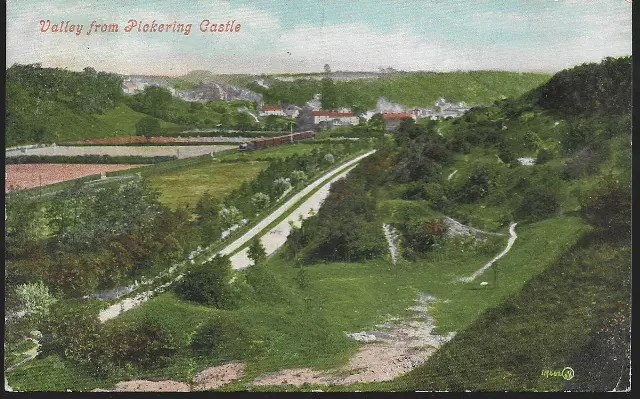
x=278 y=235
x=272 y=240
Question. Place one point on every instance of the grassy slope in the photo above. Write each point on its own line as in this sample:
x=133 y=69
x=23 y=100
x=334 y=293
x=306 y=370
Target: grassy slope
x=67 y=125
x=542 y=327
x=346 y=298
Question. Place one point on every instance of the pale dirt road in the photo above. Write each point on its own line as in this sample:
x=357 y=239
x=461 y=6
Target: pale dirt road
x=313 y=202
x=142 y=151
x=277 y=236
x=122 y=306
x=394 y=348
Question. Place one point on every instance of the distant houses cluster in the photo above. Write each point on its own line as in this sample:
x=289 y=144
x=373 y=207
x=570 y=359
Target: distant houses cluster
x=290 y=111
x=336 y=118
x=393 y=114
x=137 y=84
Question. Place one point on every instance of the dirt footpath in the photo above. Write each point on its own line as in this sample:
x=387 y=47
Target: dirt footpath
x=210 y=378
x=396 y=347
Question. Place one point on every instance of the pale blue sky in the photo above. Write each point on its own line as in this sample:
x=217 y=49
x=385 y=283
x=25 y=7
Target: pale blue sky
x=303 y=35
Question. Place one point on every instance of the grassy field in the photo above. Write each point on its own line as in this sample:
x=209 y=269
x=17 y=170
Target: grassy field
x=186 y=182
x=186 y=186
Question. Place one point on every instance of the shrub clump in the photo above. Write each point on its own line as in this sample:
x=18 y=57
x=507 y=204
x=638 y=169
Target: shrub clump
x=207 y=283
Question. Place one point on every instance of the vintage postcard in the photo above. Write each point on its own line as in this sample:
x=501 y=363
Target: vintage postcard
x=318 y=196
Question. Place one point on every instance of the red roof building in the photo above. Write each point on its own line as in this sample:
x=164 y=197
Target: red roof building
x=334 y=118
x=271 y=108
x=398 y=115
x=394 y=119
x=331 y=114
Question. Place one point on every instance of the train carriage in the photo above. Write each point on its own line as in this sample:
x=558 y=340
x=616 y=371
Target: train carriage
x=266 y=142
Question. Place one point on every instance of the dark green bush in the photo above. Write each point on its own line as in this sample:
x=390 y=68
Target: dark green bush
x=538 y=203
x=207 y=283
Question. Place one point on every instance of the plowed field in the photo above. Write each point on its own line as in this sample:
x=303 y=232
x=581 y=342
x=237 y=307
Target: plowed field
x=21 y=176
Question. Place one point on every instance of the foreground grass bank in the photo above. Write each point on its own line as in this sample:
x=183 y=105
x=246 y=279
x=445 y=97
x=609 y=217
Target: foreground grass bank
x=278 y=328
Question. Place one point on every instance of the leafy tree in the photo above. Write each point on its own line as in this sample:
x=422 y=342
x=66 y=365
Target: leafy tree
x=377 y=123
x=147 y=126
x=345 y=227
x=156 y=101
x=222 y=339
x=329 y=99
x=329 y=158
x=531 y=140
x=72 y=332
x=298 y=178
x=476 y=187
x=35 y=298
x=207 y=283
x=506 y=153
x=544 y=156
x=280 y=185
x=260 y=201
x=230 y=216
x=414 y=164
x=257 y=252
x=420 y=235
x=208 y=218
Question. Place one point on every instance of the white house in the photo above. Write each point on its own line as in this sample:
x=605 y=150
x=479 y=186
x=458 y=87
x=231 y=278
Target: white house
x=336 y=118
x=393 y=120
x=272 y=110
x=292 y=111
x=129 y=87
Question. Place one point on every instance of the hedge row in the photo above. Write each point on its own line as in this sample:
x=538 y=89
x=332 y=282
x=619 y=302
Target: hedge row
x=227 y=133
x=199 y=143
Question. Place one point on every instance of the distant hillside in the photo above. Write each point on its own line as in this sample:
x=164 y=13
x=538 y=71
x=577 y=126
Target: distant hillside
x=199 y=76
x=51 y=105
x=410 y=88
